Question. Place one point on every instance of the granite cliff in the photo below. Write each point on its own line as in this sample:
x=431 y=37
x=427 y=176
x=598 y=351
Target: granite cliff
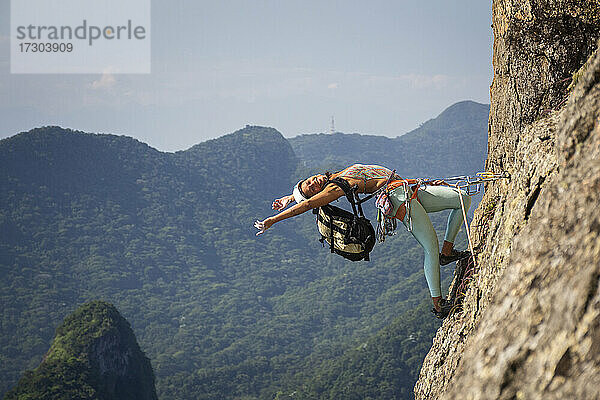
x=530 y=321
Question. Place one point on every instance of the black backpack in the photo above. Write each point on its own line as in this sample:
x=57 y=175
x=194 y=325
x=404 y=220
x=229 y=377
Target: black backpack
x=350 y=235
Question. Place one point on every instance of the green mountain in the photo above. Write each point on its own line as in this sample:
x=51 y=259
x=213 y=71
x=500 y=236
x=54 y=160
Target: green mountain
x=454 y=143
x=168 y=239
x=94 y=356
x=383 y=367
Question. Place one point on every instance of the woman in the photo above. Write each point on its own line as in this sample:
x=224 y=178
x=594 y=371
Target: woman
x=315 y=192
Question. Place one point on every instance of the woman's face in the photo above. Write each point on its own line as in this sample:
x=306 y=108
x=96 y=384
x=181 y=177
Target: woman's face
x=313 y=185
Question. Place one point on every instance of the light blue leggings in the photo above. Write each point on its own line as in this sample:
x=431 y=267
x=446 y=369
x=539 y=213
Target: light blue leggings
x=432 y=199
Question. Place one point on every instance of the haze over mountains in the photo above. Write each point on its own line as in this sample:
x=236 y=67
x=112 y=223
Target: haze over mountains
x=168 y=239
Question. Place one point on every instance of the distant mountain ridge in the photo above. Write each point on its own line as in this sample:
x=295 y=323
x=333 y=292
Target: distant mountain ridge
x=454 y=143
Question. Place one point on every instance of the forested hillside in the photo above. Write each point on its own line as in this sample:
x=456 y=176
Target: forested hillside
x=168 y=239
x=94 y=356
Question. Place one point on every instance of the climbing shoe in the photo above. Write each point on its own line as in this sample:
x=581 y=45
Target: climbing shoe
x=445 y=308
x=454 y=256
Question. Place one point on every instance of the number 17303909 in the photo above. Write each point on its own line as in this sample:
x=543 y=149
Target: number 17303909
x=46 y=47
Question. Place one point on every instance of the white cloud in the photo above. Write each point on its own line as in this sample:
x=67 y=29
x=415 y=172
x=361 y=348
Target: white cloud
x=107 y=80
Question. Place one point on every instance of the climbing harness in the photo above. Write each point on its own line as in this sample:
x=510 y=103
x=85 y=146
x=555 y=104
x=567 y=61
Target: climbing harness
x=386 y=226
x=470 y=184
x=386 y=223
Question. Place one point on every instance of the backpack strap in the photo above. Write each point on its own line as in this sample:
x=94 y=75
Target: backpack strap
x=349 y=191
x=331 y=228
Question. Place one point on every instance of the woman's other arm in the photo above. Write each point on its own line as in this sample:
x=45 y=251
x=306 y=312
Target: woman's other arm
x=322 y=198
x=283 y=202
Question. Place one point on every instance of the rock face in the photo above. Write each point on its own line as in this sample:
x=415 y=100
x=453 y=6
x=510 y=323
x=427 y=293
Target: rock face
x=94 y=356
x=530 y=327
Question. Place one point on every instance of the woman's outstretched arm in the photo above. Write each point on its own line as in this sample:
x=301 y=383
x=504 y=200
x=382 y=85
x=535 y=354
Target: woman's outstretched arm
x=326 y=196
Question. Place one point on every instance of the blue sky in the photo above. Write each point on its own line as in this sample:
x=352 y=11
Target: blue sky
x=378 y=67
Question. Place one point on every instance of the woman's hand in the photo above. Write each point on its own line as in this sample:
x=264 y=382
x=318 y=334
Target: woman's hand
x=263 y=225
x=280 y=204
